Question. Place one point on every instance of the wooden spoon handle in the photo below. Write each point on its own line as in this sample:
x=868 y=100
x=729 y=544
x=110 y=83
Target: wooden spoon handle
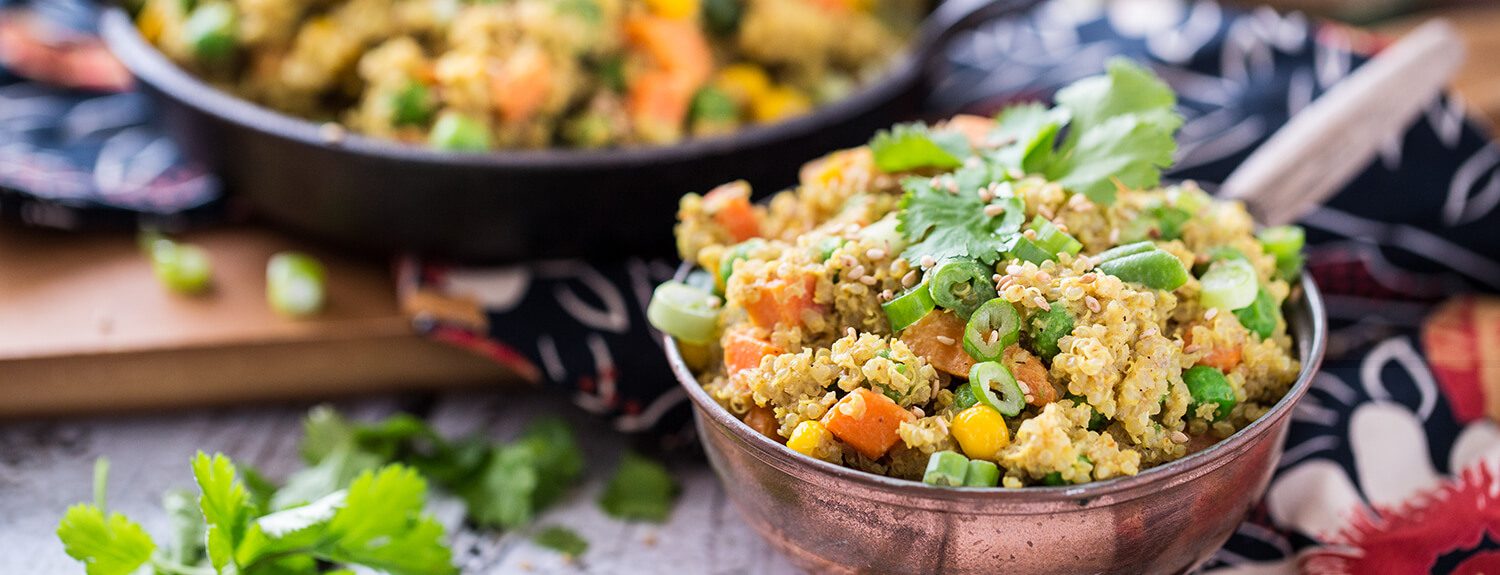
x=1339 y=134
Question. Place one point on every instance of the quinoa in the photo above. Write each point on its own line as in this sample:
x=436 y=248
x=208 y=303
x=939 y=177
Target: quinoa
x=1111 y=399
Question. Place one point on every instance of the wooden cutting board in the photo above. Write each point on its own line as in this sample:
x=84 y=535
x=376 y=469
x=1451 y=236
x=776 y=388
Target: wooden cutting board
x=85 y=327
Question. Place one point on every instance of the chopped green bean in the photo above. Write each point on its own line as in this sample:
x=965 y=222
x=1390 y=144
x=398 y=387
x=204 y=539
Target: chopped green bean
x=993 y=327
x=1121 y=251
x=1154 y=268
x=946 y=468
x=1261 y=316
x=294 y=284
x=982 y=474
x=986 y=377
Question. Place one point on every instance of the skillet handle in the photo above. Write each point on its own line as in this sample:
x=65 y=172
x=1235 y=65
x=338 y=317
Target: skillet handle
x=954 y=17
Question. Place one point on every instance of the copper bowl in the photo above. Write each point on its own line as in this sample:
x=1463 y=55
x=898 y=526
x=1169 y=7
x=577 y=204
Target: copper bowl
x=1167 y=519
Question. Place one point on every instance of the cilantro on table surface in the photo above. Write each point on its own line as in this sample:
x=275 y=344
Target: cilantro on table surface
x=562 y=540
x=359 y=503
x=640 y=489
x=1105 y=132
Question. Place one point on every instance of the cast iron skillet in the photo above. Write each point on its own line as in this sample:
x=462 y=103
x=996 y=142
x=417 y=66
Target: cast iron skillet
x=378 y=195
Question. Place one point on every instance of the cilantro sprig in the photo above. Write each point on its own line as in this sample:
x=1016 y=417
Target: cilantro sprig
x=1105 y=132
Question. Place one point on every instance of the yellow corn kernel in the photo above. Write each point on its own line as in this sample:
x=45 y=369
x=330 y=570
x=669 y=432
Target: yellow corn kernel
x=675 y=9
x=807 y=437
x=778 y=103
x=981 y=432
x=743 y=82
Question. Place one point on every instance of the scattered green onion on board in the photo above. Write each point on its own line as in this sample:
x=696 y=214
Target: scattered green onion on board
x=295 y=284
x=183 y=268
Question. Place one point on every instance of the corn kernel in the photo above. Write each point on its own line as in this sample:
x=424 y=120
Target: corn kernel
x=743 y=82
x=676 y=9
x=807 y=438
x=981 y=432
x=779 y=103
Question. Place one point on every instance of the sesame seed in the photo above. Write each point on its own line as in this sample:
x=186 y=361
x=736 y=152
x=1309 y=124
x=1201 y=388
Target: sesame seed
x=1114 y=236
x=1046 y=212
x=945 y=340
x=332 y=132
x=1014 y=269
x=928 y=262
x=1015 y=173
x=1025 y=389
x=910 y=279
x=886 y=295
x=1030 y=234
x=850 y=332
x=1150 y=332
x=917 y=411
x=1191 y=349
x=1061 y=227
x=1030 y=399
x=1087 y=278
x=875 y=254
x=1092 y=303
x=1211 y=313
x=857 y=272
x=985 y=195
x=996 y=278
x=993 y=210
x=994 y=337
x=1042 y=303
x=1179 y=437
x=868 y=280
x=1043 y=277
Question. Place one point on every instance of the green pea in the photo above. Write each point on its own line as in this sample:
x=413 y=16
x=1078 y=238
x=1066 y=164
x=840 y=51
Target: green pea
x=1047 y=327
x=1208 y=385
x=722 y=17
x=412 y=105
x=210 y=31
x=294 y=284
x=1260 y=317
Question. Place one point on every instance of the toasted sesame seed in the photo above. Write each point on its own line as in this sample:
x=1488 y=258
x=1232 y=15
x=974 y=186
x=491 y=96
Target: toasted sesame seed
x=332 y=132
x=1046 y=212
x=1087 y=278
x=910 y=279
x=917 y=411
x=1149 y=332
x=985 y=195
x=994 y=337
x=1030 y=234
x=1114 y=236
x=996 y=278
x=857 y=272
x=886 y=295
x=850 y=332
x=1041 y=302
x=868 y=280
x=1061 y=227
x=875 y=253
x=1015 y=173
x=928 y=262
x=1044 y=277
x=1029 y=398
x=1211 y=313
x=1179 y=437
x=1092 y=303
x=1191 y=349
x=1014 y=269
x=945 y=340
x=993 y=210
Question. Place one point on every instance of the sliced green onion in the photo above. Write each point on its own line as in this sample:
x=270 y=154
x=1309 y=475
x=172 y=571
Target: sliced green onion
x=1027 y=250
x=701 y=279
x=183 y=268
x=961 y=286
x=1218 y=254
x=1052 y=238
x=1230 y=284
x=1285 y=243
x=982 y=474
x=907 y=308
x=963 y=398
x=1046 y=328
x=946 y=468
x=454 y=131
x=1208 y=385
x=294 y=284
x=412 y=105
x=1121 y=251
x=1054 y=479
x=827 y=246
x=740 y=251
x=986 y=377
x=1155 y=269
x=993 y=327
x=209 y=30
x=1261 y=316
x=684 y=312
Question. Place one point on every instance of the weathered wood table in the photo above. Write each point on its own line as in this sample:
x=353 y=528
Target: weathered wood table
x=46 y=465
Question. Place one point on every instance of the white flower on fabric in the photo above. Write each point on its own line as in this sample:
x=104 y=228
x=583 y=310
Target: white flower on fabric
x=495 y=289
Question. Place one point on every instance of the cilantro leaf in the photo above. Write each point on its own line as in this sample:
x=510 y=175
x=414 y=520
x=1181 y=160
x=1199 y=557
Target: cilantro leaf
x=381 y=525
x=562 y=540
x=112 y=545
x=185 y=546
x=223 y=505
x=911 y=146
x=1029 y=132
x=944 y=225
x=523 y=477
x=640 y=489
x=1121 y=132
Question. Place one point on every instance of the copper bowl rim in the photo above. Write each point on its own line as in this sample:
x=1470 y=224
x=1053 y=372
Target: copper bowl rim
x=908 y=493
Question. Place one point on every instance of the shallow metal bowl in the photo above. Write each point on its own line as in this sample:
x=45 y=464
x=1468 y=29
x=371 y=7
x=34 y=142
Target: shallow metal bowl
x=1167 y=519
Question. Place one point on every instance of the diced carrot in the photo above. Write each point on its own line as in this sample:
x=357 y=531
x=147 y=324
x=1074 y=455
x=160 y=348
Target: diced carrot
x=1030 y=372
x=763 y=421
x=679 y=62
x=867 y=421
x=782 y=301
x=1221 y=357
x=976 y=129
x=730 y=205
x=938 y=337
x=743 y=350
x=520 y=86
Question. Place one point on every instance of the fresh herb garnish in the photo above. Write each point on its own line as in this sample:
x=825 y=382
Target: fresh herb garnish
x=912 y=146
x=562 y=540
x=640 y=489
x=947 y=219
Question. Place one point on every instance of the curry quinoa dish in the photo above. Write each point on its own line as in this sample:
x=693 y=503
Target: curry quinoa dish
x=483 y=74
x=1009 y=301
